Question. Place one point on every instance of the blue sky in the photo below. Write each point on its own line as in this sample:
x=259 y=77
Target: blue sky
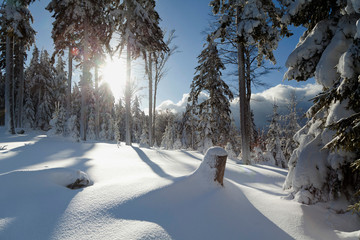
x=189 y=18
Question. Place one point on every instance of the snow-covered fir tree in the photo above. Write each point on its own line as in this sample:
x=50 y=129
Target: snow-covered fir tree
x=137 y=119
x=103 y=131
x=58 y=121
x=187 y=128
x=75 y=100
x=85 y=25
x=120 y=120
x=273 y=141
x=60 y=82
x=17 y=35
x=110 y=133
x=162 y=120
x=107 y=101
x=45 y=91
x=177 y=144
x=169 y=136
x=39 y=91
x=329 y=51
x=257 y=24
x=230 y=151
x=291 y=126
x=138 y=24
x=235 y=139
x=204 y=132
x=30 y=88
x=144 y=138
x=73 y=126
x=75 y=113
x=217 y=106
x=91 y=133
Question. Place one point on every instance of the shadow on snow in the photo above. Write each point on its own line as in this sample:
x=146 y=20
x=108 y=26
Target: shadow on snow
x=192 y=208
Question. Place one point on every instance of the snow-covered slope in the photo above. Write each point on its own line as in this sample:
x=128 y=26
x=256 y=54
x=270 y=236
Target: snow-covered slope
x=140 y=193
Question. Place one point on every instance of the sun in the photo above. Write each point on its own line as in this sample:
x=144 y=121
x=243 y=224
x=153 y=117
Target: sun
x=114 y=73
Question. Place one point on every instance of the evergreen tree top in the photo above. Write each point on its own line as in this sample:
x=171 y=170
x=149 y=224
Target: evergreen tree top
x=73 y=17
x=208 y=76
x=259 y=23
x=138 y=25
x=16 y=21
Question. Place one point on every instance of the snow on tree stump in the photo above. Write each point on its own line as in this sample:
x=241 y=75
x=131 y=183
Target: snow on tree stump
x=78 y=180
x=214 y=163
x=79 y=183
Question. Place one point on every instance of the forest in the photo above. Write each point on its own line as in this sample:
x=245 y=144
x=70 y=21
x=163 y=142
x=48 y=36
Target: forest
x=321 y=157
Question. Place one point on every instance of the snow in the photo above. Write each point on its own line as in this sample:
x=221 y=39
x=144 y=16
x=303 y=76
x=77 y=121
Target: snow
x=207 y=167
x=326 y=72
x=357 y=35
x=149 y=194
x=308 y=49
x=352 y=6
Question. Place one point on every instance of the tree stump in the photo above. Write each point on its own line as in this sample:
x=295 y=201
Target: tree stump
x=214 y=164
x=220 y=163
x=79 y=183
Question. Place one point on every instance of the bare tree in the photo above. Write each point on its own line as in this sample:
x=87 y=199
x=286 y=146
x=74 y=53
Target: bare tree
x=161 y=58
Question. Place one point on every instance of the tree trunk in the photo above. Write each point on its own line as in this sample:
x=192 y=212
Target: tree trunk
x=69 y=80
x=245 y=146
x=220 y=164
x=247 y=102
x=192 y=131
x=128 y=95
x=154 y=105
x=21 y=85
x=215 y=158
x=84 y=85
x=8 y=79
x=12 y=95
x=97 y=106
x=150 y=99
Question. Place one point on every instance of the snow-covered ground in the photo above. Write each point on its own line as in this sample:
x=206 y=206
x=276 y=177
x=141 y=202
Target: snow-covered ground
x=140 y=193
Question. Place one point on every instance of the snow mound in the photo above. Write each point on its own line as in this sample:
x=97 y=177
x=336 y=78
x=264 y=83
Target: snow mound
x=150 y=194
x=55 y=176
x=207 y=167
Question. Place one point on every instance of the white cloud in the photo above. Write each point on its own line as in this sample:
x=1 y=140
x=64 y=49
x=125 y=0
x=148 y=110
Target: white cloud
x=261 y=103
x=179 y=106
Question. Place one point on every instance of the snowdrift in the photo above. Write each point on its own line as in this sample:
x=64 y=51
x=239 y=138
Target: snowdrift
x=149 y=194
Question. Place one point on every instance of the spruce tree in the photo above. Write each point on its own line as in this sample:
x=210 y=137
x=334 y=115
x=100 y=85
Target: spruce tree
x=91 y=132
x=120 y=120
x=84 y=28
x=329 y=51
x=73 y=126
x=257 y=23
x=291 y=127
x=15 y=28
x=217 y=106
x=106 y=103
x=136 y=121
x=60 y=82
x=138 y=24
x=58 y=121
x=30 y=90
x=273 y=143
x=144 y=138
x=45 y=91
x=168 y=138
